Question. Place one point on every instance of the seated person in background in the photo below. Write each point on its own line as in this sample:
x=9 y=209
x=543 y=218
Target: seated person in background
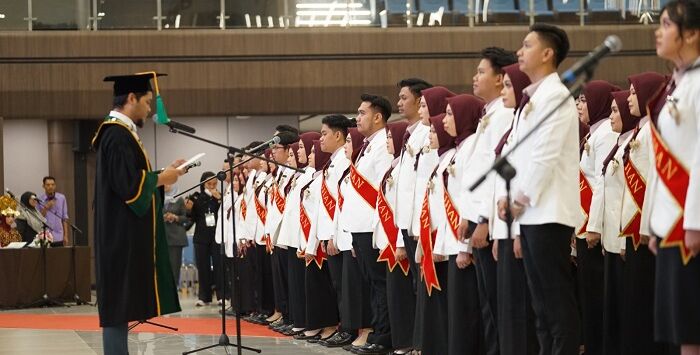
x=8 y=210
x=30 y=221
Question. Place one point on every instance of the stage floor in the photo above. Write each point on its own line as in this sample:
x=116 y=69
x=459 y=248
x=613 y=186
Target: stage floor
x=75 y=331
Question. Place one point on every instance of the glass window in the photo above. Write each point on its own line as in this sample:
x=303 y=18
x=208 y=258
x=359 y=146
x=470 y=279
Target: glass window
x=126 y=14
x=60 y=14
x=12 y=14
x=191 y=13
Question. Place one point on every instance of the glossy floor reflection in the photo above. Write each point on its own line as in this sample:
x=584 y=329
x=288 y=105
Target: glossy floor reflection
x=60 y=342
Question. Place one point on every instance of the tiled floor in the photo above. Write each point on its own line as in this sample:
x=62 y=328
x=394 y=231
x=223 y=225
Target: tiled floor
x=60 y=342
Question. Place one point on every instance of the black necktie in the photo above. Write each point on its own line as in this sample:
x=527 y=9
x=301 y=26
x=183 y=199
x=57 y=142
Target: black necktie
x=362 y=150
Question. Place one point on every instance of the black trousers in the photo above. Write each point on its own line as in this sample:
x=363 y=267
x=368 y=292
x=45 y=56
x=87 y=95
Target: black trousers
x=546 y=255
x=280 y=281
x=176 y=262
x=516 y=318
x=432 y=324
x=356 y=308
x=264 y=290
x=465 y=333
x=321 y=300
x=486 y=277
x=246 y=283
x=297 y=289
x=590 y=287
x=402 y=306
x=639 y=274
x=335 y=268
x=374 y=273
x=612 y=304
x=207 y=255
x=411 y=246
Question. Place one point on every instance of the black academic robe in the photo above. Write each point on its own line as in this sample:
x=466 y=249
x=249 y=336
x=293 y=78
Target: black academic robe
x=134 y=279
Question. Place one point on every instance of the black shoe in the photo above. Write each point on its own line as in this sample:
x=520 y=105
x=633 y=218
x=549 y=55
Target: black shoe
x=348 y=347
x=288 y=330
x=314 y=339
x=374 y=349
x=277 y=323
x=302 y=336
x=323 y=340
x=338 y=340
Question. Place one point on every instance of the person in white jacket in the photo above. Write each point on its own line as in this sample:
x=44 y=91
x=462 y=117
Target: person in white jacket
x=647 y=90
x=672 y=201
x=545 y=199
x=464 y=306
x=365 y=175
x=593 y=110
x=477 y=205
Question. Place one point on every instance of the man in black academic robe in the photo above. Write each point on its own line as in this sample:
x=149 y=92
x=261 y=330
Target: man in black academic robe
x=134 y=279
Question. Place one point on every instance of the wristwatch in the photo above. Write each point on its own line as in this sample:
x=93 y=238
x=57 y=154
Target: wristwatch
x=482 y=220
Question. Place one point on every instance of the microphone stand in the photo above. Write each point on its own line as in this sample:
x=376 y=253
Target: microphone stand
x=503 y=168
x=224 y=340
x=76 y=230
x=45 y=300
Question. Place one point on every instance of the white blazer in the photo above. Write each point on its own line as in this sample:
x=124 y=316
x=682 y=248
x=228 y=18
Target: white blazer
x=427 y=162
x=274 y=215
x=342 y=238
x=225 y=223
x=262 y=196
x=251 y=223
x=609 y=193
x=372 y=165
x=438 y=219
x=406 y=176
x=381 y=240
x=463 y=164
x=312 y=203
x=335 y=169
x=642 y=159
x=679 y=127
x=290 y=228
x=601 y=141
x=547 y=163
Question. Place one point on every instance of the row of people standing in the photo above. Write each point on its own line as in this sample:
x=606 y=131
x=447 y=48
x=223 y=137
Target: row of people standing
x=378 y=243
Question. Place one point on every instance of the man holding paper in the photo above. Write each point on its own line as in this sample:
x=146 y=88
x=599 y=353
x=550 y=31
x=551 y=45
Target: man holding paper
x=134 y=278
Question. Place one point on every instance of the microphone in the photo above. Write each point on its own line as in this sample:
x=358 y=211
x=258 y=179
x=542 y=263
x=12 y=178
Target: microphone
x=612 y=44
x=164 y=120
x=272 y=141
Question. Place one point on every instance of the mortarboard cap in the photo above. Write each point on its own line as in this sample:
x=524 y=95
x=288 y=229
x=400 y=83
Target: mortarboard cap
x=141 y=82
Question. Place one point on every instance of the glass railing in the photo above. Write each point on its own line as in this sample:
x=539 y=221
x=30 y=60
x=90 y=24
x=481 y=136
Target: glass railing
x=176 y=14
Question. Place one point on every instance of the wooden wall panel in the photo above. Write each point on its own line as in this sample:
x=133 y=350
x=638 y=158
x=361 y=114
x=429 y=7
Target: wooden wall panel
x=58 y=75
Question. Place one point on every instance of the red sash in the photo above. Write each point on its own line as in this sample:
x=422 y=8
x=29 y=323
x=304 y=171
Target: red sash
x=386 y=218
x=260 y=210
x=244 y=208
x=341 y=200
x=279 y=200
x=327 y=199
x=453 y=217
x=427 y=239
x=586 y=197
x=268 y=243
x=636 y=187
x=319 y=258
x=676 y=179
x=363 y=187
x=304 y=221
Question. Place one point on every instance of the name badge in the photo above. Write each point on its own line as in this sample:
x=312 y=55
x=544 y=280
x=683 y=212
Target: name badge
x=210 y=219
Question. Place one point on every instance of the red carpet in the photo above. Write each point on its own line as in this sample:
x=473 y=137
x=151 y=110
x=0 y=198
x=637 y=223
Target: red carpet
x=200 y=326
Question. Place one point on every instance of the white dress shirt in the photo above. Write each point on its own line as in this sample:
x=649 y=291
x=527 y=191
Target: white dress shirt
x=406 y=176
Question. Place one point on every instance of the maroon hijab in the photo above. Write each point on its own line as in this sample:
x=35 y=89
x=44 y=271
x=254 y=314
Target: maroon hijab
x=436 y=99
x=467 y=110
x=646 y=85
x=320 y=157
x=295 y=148
x=445 y=141
x=357 y=141
x=519 y=81
x=308 y=139
x=598 y=100
x=629 y=122
x=397 y=129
